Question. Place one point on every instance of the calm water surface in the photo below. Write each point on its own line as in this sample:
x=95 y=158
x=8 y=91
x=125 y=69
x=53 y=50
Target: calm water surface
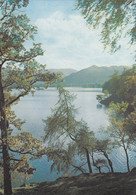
x=35 y=108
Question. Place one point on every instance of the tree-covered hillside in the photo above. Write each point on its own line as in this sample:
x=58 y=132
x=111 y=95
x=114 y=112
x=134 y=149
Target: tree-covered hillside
x=93 y=76
x=121 y=88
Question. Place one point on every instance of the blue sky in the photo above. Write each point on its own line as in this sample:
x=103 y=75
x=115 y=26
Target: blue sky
x=67 y=40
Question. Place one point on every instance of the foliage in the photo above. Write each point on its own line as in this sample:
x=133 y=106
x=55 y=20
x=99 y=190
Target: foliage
x=72 y=143
x=71 y=138
x=99 y=163
x=116 y=19
x=130 y=125
x=117 y=129
x=19 y=71
x=85 y=138
x=122 y=88
x=121 y=99
x=102 y=148
x=101 y=97
x=61 y=124
x=60 y=158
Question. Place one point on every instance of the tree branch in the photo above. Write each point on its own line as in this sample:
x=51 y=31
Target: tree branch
x=20 y=95
x=27 y=152
x=14 y=159
x=79 y=168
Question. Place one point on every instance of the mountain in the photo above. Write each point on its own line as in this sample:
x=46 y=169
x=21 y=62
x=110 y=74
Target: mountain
x=65 y=72
x=94 y=76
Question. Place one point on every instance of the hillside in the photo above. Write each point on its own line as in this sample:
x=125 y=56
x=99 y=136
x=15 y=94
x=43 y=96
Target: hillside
x=93 y=76
x=85 y=184
x=65 y=72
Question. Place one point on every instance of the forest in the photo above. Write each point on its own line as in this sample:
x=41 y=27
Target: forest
x=68 y=142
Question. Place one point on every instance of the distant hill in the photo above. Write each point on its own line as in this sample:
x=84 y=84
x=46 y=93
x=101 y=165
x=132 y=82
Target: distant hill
x=94 y=76
x=65 y=72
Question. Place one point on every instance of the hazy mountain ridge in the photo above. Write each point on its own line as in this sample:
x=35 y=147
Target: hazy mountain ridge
x=64 y=71
x=92 y=75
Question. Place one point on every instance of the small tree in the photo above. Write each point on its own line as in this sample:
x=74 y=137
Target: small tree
x=85 y=143
x=104 y=147
x=62 y=130
x=99 y=163
x=116 y=130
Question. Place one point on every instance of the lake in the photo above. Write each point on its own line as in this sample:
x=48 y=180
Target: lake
x=33 y=109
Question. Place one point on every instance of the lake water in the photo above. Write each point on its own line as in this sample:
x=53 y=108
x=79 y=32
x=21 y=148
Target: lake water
x=35 y=108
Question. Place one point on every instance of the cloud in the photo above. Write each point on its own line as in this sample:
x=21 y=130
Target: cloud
x=69 y=43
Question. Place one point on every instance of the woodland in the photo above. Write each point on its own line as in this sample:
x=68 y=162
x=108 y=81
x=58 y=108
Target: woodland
x=19 y=72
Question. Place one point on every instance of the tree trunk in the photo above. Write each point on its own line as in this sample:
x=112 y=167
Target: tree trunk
x=94 y=164
x=125 y=149
x=99 y=168
x=127 y=160
x=109 y=161
x=88 y=161
x=4 y=136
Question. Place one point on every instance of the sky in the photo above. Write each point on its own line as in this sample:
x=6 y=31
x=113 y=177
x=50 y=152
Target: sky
x=67 y=39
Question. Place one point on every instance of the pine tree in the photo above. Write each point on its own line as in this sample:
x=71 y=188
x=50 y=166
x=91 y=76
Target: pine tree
x=71 y=137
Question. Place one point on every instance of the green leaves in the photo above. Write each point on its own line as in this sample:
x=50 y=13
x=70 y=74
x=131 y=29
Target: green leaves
x=62 y=122
x=23 y=78
x=71 y=139
x=19 y=72
x=122 y=88
x=113 y=17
